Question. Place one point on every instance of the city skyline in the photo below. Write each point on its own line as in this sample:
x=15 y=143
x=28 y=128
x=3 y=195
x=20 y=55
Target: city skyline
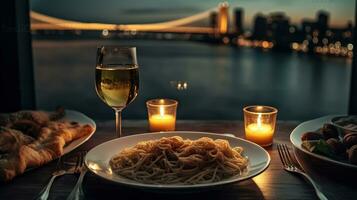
x=139 y=11
x=273 y=31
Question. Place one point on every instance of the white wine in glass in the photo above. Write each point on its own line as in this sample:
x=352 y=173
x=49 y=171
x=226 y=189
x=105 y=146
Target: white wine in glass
x=117 y=78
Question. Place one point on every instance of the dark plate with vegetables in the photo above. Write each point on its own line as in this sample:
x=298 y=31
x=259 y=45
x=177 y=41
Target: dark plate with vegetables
x=319 y=145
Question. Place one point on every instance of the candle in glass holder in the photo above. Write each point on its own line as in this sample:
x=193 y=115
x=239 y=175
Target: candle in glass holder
x=259 y=123
x=162 y=114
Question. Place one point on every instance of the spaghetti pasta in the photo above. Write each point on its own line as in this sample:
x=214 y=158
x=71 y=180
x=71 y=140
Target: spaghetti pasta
x=173 y=160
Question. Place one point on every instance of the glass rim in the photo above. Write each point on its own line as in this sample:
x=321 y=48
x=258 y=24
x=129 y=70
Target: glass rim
x=273 y=110
x=116 y=46
x=152 y=103
x=134 y=66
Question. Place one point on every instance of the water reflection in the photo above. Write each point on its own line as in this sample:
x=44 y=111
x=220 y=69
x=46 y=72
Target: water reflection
x=218 y=80
x=179 y=85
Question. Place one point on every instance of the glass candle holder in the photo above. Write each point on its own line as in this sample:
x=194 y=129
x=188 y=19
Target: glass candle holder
x=162 y=114
x=259 y=124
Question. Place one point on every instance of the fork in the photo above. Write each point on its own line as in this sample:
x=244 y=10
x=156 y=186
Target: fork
x=77 y=192
x=290 y=165
x=60 y=170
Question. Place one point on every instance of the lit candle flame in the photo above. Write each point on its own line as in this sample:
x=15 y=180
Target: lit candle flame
x=162 y=111
x=259 y=120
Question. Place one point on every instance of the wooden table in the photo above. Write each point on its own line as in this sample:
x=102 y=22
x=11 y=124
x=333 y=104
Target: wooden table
x=274 y=183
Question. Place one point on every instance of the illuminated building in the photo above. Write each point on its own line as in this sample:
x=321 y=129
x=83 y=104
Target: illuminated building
x=223 y=22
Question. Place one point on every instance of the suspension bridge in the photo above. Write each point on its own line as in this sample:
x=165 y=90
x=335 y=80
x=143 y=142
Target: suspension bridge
x=183 y=25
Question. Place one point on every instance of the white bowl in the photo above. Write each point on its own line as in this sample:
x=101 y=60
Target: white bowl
x=315 y=162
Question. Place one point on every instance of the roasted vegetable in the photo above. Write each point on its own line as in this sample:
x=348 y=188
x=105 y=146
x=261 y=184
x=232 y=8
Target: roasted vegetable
x=329 y=131
x=352 y=154
x=350 y=139
x=311 y=136
x=319 y=147
x=337 y=146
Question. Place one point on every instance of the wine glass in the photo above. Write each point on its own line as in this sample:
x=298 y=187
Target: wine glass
x=117 y=78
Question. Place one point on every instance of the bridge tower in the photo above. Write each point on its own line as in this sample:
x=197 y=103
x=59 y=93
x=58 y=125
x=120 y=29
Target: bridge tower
x=223 y=16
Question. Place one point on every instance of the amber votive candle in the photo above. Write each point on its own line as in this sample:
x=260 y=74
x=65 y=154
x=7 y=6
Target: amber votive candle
x=259 y=124
x=162 y=114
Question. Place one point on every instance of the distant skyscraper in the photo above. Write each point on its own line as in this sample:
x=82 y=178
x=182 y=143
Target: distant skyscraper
x=308 y=26
x=317 y=31
x=322 y=21
x=349 y=25
x=260 y=27
x=280 y=30
x=238 y=21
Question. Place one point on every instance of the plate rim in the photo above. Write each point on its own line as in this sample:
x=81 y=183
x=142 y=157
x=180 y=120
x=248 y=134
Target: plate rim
x=325 y=119
x=66 y=150
x=161 y=186
x=92 y=122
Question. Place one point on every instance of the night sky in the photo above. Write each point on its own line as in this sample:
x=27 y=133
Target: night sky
x=145 y=11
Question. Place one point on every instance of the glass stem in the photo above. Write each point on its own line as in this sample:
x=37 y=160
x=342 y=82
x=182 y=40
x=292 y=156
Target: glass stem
x=118 y=122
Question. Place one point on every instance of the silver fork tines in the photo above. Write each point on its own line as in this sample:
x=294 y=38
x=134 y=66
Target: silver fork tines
x=289 y=163
x=77 y=192
x=61 y=169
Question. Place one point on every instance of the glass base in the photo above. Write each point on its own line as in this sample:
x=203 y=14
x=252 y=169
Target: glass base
x=265 y=145
x=259 y=142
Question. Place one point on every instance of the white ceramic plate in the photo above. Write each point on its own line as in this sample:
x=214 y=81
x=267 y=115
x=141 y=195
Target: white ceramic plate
x=76 y=116
x=97 y=159
x=81 y=118
x=313 y=125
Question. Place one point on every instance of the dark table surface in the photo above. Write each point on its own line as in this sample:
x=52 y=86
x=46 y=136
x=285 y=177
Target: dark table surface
x=274 y=183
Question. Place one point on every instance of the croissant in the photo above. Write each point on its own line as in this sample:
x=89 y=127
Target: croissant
x=42 y=144
x=37 y=117
x=11 y=139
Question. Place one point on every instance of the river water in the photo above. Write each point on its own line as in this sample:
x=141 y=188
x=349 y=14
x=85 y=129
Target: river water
x=220 y=80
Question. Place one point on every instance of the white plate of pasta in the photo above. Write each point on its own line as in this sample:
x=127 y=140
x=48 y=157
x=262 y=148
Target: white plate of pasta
x=177 y=160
